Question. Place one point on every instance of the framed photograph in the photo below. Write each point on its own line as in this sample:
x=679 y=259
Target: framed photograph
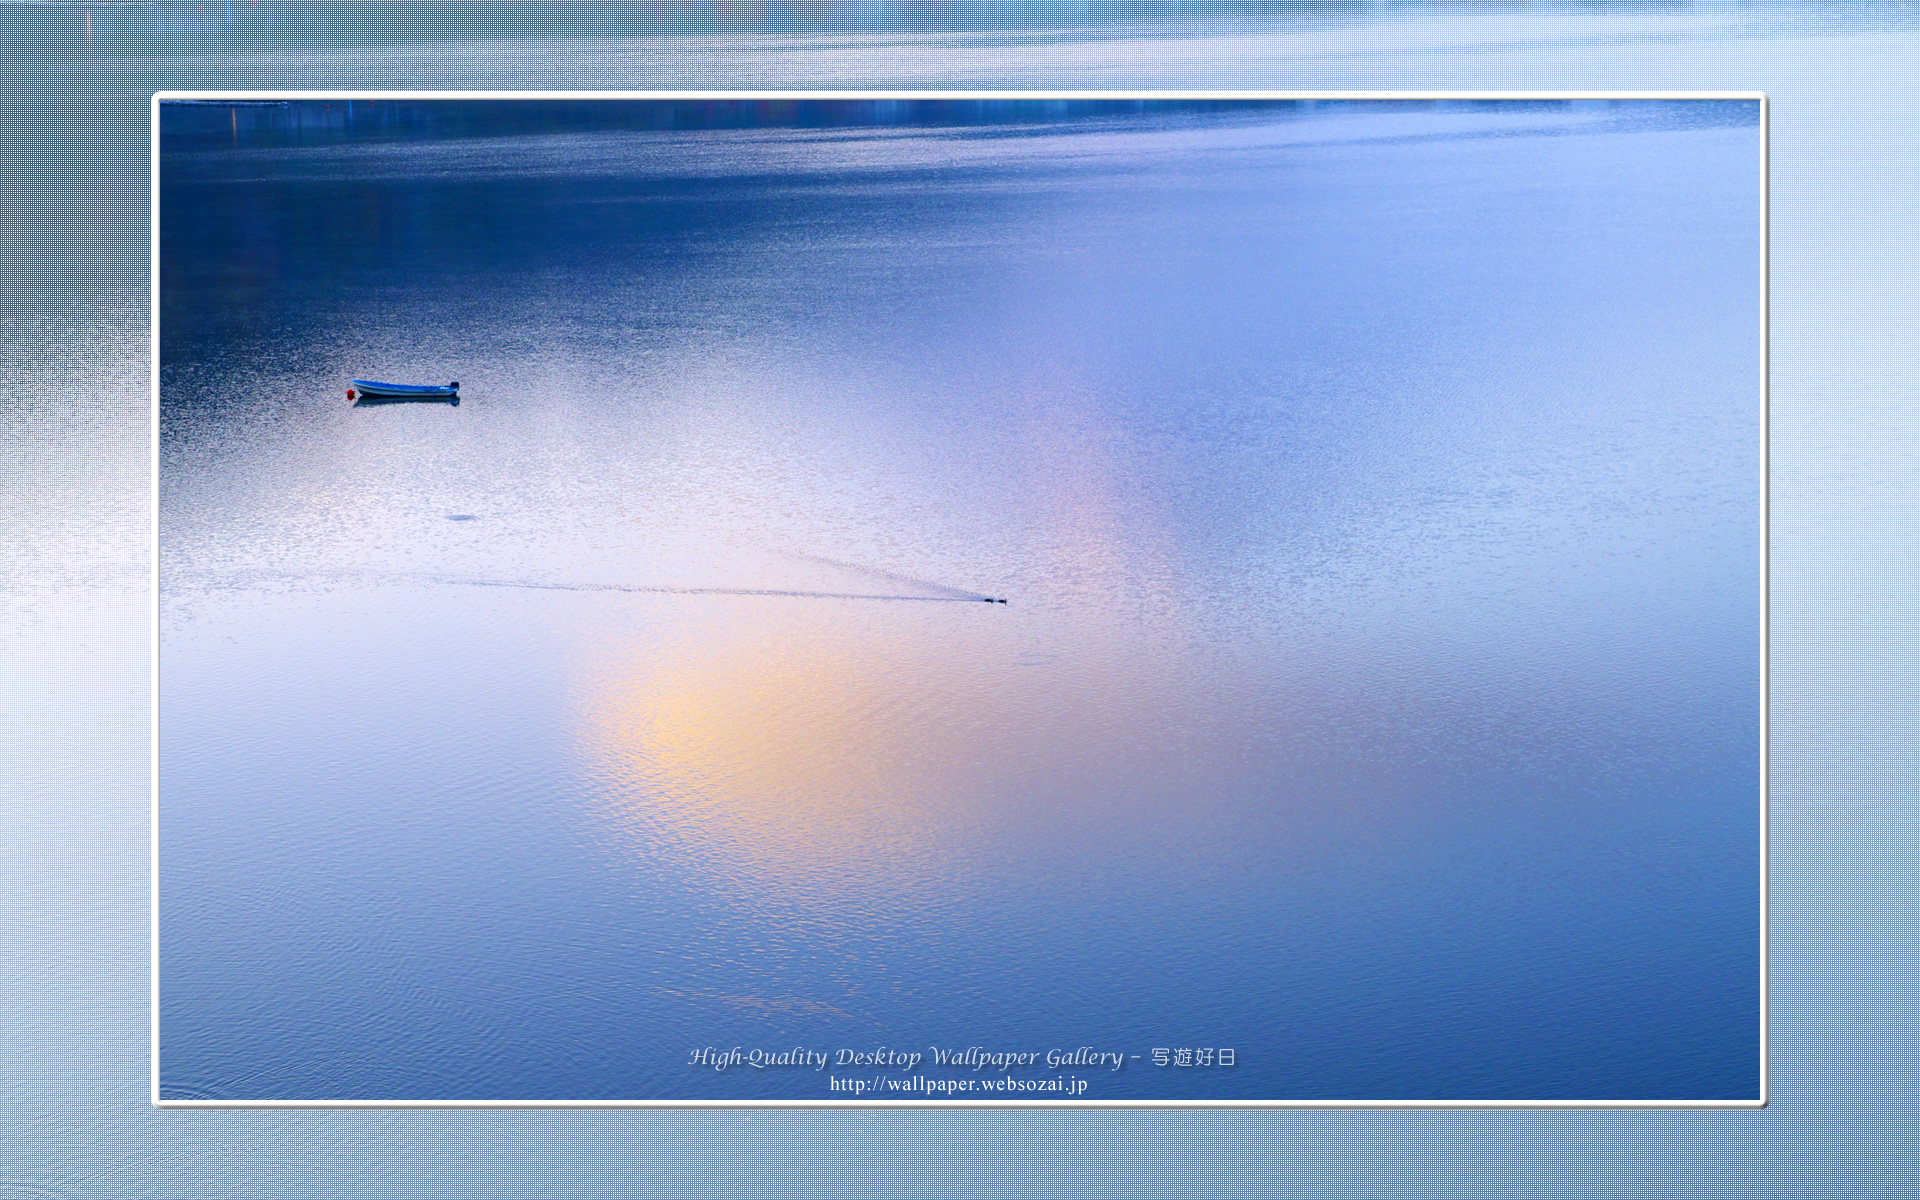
x=959 y=598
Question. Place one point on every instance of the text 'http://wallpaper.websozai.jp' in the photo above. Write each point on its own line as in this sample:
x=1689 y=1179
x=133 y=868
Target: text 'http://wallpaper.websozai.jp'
x=963 y=599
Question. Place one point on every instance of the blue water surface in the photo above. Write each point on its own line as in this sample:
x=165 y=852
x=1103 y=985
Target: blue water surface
x=1374 y=489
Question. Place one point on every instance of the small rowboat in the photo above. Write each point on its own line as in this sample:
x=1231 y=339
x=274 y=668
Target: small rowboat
x=369 y=389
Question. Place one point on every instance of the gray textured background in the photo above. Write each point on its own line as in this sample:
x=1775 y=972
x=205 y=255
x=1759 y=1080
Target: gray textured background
x=1845 y=1118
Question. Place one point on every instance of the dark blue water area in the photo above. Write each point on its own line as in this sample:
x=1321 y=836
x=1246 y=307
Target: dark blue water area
x=1375 y=491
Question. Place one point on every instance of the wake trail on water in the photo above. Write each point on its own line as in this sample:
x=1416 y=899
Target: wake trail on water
x=949 y=596
x=708 y=591
x=944 y=592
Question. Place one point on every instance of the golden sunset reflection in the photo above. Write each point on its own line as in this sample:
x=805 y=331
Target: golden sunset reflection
x=766 y=738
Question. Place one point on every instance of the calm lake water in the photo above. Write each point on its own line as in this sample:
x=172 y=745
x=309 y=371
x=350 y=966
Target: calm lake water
x=1375 y=496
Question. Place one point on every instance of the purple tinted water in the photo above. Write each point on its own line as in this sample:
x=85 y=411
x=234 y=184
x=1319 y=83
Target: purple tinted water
x=1376 y=499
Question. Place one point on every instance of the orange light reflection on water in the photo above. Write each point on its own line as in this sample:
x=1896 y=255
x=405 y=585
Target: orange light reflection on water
x=788 y=743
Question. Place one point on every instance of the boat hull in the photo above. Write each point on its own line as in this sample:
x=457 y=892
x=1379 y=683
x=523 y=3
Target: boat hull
x=373 y=390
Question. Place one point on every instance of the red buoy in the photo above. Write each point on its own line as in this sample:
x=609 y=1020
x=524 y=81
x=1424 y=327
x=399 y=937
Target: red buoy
x=349 y=393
